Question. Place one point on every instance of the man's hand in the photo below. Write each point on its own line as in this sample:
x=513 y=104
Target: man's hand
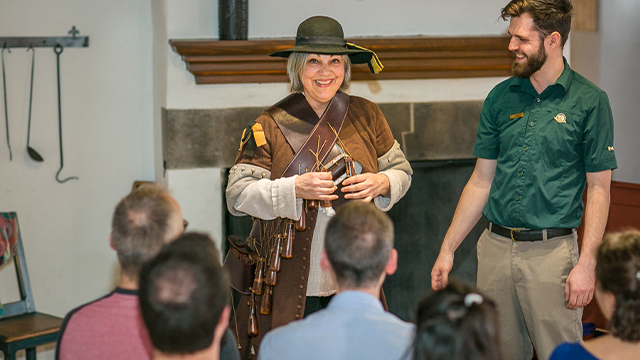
x=441 y=270
x=580 y=285
x=365 y=186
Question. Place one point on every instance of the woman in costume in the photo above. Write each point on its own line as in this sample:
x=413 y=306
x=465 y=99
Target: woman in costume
x=618 y=295
x=318 y=145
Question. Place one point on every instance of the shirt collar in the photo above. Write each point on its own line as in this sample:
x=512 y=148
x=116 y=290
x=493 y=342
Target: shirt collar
x=355 y=299
x=120 y=290
x=564 y=80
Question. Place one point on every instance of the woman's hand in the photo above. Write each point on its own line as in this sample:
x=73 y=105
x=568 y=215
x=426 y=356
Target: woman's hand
x=315 y=186
x=365 y=186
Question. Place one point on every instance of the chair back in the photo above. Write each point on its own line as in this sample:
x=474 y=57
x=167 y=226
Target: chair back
x=11 y=249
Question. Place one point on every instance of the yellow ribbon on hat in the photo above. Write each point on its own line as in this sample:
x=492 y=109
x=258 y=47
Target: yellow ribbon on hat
x=375 y=65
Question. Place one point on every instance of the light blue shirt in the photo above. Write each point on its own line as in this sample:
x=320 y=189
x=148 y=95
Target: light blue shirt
x=353 y=326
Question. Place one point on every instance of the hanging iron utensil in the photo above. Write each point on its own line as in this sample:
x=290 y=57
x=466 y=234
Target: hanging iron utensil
x=58 y=50
x=32 y=153
x=6 y=111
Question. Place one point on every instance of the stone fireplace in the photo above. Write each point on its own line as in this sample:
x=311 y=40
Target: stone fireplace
x=199 y=146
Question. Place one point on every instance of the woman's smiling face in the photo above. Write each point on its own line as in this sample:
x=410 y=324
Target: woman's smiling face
x=321 y=79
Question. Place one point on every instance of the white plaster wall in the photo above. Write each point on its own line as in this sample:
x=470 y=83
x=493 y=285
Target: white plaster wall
x=199 y=193
x=280 y=18
x=620 y=78
x=107 y=110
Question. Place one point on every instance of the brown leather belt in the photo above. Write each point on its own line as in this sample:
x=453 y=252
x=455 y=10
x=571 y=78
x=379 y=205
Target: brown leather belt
x=527 y=235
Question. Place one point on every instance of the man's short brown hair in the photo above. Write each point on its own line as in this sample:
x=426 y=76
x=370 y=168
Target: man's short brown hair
x=548 y=15
x=358 y=242
x=140 y=226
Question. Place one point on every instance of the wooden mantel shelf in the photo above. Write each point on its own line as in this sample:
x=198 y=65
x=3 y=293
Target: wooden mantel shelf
x=247 y=61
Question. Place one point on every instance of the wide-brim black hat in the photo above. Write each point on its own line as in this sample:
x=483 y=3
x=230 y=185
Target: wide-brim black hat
x=324 y=35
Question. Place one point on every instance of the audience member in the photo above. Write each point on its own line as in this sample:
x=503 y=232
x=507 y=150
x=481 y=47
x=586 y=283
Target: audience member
x=457 y=323
x=618 y=295
x=184 y=300
x=111 y=327
x=359 y=253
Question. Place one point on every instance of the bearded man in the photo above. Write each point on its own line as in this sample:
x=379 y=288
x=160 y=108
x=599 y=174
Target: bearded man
x=543 y=135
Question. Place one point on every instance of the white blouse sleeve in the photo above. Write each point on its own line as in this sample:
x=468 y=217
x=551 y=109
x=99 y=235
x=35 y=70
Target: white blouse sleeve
x=396 y=167
x=250 y=191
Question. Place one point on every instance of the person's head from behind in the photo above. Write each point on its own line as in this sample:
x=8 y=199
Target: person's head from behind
x=618 y=283
x=359 y=246
x=183 y=297
x=458 y=323
x=142 y=223
x=535 y=26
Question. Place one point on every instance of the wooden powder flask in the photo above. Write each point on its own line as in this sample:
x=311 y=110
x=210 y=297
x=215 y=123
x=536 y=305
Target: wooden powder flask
x=312 y=204
x=276 y=259
x=301 y=224
x=265 y=305
x=258 y=280
x=351 y=167
x=325 y=203
x=253 y=317
x=287 y=249
x=272 y=277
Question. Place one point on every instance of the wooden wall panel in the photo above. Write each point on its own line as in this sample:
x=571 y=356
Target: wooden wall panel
x=585 y=16
x=624 y=213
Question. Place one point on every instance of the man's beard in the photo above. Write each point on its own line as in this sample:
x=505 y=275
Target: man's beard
x=531 y=65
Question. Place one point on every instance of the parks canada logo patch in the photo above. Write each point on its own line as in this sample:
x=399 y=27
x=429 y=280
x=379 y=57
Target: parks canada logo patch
x=561 y=118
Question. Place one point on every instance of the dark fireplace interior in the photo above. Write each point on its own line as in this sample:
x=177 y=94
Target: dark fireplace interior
x=420 y=219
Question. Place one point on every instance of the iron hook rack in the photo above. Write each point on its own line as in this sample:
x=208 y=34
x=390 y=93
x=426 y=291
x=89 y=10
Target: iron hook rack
x=46 y=41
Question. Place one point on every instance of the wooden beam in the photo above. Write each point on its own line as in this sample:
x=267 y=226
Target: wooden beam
x=247 y=61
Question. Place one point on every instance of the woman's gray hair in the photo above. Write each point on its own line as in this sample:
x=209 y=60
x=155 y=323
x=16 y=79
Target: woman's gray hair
x=295 y=67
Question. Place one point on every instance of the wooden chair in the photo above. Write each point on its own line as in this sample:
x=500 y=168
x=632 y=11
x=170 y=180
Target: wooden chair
x=21 y=327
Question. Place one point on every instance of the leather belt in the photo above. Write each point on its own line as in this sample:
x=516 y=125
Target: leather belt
x=526 y=234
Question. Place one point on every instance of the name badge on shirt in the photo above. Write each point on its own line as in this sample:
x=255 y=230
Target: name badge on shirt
x=515 y=116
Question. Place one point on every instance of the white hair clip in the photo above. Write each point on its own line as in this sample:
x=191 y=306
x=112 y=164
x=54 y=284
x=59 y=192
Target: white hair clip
x=454 y=315
x=473 y=298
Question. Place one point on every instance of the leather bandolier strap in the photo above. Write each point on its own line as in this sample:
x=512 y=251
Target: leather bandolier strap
x=294 y=121
x=304 y=132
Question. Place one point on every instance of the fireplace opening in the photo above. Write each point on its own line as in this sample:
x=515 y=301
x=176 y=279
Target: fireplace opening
x=420 y=220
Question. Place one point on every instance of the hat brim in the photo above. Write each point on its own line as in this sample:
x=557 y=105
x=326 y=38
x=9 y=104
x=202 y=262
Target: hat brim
x=356 y=56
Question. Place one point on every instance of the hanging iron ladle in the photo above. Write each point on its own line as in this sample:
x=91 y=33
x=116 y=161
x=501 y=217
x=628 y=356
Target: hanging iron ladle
x=58 y=50
x=32 y=153
x=6 y=111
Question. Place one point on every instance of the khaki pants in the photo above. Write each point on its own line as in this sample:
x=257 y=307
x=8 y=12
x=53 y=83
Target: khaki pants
x=526 y=280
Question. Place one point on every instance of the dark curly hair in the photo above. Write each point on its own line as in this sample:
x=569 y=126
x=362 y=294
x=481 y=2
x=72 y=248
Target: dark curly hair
x=548 y=15
x=618 y=272
x=458 y=323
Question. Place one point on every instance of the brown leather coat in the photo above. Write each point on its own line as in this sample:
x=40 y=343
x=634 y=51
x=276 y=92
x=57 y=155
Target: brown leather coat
x=367 y=137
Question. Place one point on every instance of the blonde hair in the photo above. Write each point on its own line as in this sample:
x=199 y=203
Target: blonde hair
x=295 y=66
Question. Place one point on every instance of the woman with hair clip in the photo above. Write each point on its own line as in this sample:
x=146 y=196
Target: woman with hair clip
x=618 y=295
x=458 y=323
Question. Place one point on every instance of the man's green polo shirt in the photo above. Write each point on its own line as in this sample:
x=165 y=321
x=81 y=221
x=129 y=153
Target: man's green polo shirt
x=544 y=145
